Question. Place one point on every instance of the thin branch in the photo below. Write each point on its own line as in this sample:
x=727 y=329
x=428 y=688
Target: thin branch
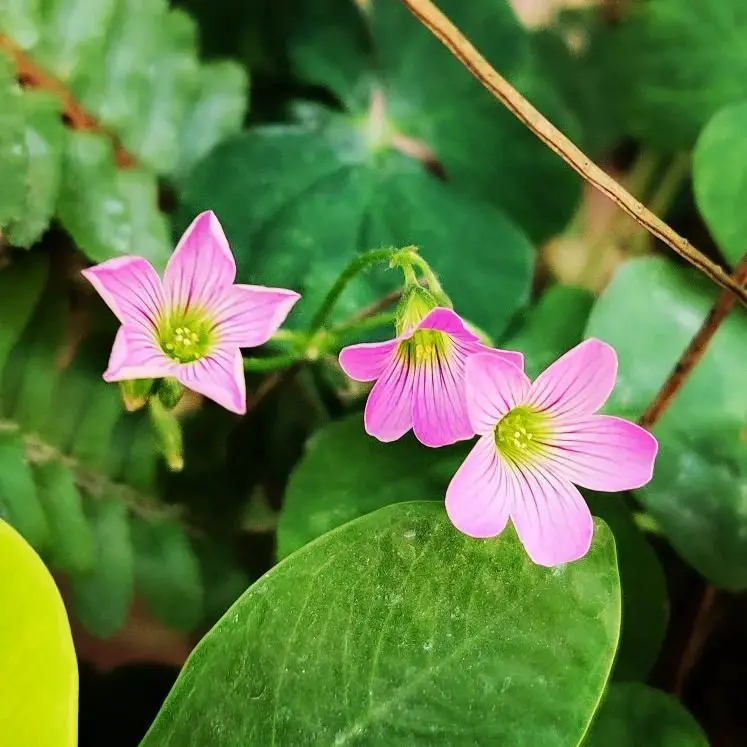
x=33 y=76
x=695 y=350
x=444 y=30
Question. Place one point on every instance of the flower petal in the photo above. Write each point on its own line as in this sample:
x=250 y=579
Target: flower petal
x=551 y=518
x=220 y=377
x=446 y=320
x=493 y=387
x=201 y=267
x=130 y=287
x=249 y=315
x=577 y=383
x=601 y=452
x=479 y=496
x=388 y=413
x=439 y=411
x=135 y=355
x=367 y=360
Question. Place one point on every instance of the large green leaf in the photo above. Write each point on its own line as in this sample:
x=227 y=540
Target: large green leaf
x=420 y=636
x=676 y=64
x=298 y=203
x=719 y=166
x=633 y=715
x=39 y=707
x=696 y=495
x=325 y=491
x=13 y=154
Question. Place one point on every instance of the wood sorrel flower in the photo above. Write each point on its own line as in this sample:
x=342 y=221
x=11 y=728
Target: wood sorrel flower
x=191 y=325
x=420 y=379
x=536 y=440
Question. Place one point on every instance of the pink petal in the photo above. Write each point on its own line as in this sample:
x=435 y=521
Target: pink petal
x=445 y=320
x=600 y=452
x=201 y=268
x=551 y=518
x=479 y=496
x=130 y=287
x=439 y=412
x=577 y=383
x=249 y=315
x=388 y=413
x=367 y=360
x=220 y=377
x=493 y=388
x=136 y=355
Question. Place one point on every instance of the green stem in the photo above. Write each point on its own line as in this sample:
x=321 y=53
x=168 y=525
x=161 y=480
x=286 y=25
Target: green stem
x=363 y=261
x=270 y=363
x=430 y=278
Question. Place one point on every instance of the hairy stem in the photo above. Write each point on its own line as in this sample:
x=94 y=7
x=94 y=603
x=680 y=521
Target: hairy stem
x=444 y=30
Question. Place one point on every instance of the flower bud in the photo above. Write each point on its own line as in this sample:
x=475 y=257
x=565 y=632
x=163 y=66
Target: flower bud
x=135 y=393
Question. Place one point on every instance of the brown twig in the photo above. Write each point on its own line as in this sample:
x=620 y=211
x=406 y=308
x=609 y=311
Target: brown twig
x=694 y=351
x=270 y=383
x=444 y=30
x=33 y=76
x=374 y=308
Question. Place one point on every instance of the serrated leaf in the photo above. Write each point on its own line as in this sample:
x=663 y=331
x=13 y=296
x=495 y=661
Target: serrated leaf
x=719 y=164
x=675 y=64
x=70 y=538
x=217 y=111
x=696 y=495
x=632 y=714
x=18 y=491
x=13 y=155
x=414 y=624
x=110 y=212
x=36 y=652
x=278 y=189
x=101 y=597
x=43 y=142
x=167 y=573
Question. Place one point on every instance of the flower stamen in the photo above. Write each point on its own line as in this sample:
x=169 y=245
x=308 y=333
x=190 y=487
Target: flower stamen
x=186 y=340
x=520 y=434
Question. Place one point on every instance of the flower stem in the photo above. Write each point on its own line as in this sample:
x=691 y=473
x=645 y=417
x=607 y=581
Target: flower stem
x=360 y=263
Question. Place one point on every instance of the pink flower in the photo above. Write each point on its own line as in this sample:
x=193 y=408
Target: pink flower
x=536 y=440
x=420 y=379
x=191 y=325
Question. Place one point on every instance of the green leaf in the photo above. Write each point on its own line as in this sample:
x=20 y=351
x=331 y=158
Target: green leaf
x=675 y=64
x=13 y=155
x=43 y=142
x=552 y=326
x=167 y=573
x=18 y=492
x=101 y=597
x=110 y=212
x=414 y=624
x=719 y=164
x=36 y=652
x=445 y=108
x=696 y=495
x=277 y=190
x=633 y=714
x=70 y=538
x=645 y=599
x=21 y=284
x=325 y=490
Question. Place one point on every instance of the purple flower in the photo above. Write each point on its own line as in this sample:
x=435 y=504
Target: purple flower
x=420 y=379
x=536 y=440
x=191 y=325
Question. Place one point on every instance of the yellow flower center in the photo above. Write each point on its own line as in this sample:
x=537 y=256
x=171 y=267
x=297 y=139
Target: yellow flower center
x=186 y=337
x=426 y=346
x=521 y=434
